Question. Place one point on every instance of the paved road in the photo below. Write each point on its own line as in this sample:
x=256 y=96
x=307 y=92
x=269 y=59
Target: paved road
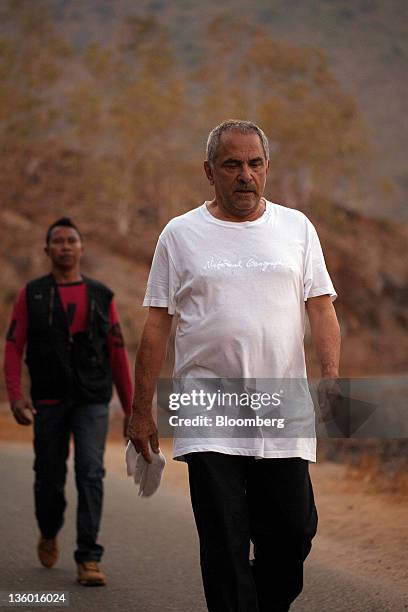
x=151 y=553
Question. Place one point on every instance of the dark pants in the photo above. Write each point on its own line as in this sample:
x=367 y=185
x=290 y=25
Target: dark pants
x=52 y=428
x=236 y=499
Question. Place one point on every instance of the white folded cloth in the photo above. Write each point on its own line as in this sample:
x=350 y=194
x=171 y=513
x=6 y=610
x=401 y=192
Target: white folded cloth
x=146 y=475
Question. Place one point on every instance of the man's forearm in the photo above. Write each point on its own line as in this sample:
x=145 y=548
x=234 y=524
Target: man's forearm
x=149 y=361
x=326 y=339
x=12 y=372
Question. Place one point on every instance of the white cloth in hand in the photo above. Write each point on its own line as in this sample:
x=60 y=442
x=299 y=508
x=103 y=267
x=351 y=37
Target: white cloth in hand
x=146 y=475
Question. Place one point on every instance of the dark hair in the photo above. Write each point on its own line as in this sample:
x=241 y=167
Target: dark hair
x=63 y=222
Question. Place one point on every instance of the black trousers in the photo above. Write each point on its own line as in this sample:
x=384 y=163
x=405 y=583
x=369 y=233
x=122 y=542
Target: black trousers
x=238 y=499
x=53 y=426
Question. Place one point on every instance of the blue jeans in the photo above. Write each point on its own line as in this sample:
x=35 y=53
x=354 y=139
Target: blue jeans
x=52 y=429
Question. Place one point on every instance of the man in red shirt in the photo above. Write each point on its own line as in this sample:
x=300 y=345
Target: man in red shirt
x=74 y=352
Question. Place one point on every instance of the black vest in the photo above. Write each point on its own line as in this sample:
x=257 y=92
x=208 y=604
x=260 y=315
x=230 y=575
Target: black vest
x=64 y=366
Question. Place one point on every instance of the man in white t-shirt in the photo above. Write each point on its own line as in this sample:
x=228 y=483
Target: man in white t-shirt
x=240 y=272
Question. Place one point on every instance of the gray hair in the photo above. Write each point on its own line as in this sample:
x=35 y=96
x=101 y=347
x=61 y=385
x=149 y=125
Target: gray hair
x=233 y=125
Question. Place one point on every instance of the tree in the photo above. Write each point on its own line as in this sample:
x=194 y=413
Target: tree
x=316 y=134
x=31 y=57
x=126 y=115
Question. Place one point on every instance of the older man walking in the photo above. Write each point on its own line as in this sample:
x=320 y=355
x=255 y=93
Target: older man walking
x=241 y=272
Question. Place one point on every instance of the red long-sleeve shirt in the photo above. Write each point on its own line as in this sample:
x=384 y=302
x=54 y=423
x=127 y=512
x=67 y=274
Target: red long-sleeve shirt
x=74 y=299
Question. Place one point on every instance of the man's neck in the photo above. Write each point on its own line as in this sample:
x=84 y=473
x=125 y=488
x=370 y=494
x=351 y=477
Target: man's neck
x=220 y=213
x=66 y=276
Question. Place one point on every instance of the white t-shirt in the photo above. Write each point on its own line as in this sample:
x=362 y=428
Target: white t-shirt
x=239 y=290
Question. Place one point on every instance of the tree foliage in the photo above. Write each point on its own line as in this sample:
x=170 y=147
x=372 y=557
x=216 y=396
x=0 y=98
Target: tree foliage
x=127 y=112
x=138 y=117
x=31 y=55
x=316 y=134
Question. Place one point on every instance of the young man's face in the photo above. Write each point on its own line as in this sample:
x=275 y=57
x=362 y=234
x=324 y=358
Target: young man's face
x=64 y=247
x=238 y=173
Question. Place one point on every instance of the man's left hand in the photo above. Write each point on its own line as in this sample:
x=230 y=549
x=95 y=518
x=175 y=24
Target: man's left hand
x=328 y=394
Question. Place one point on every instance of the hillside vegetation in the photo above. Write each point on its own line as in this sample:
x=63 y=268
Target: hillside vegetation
x=365 y=41
x=113 y=132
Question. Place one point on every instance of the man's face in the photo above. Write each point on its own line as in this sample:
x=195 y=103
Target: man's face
x=64 y=247
x=238 y=173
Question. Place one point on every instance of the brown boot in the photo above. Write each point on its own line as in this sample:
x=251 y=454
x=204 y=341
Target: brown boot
x=47 y=550
x=89 y=574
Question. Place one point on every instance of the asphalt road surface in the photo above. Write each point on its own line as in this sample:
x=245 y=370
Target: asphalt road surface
x=151 y=553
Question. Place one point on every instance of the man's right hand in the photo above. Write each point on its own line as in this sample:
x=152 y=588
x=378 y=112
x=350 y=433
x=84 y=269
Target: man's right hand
x=23 y=411
x=141 y=430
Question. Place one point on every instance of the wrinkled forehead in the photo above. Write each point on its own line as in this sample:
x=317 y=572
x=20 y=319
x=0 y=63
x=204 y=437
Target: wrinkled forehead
x=61 y=231
x=235 y=145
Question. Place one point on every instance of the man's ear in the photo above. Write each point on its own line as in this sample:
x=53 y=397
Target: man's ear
x=209 y=172
x=46 y=251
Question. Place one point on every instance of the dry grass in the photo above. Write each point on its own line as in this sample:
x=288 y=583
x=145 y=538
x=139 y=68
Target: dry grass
x=373 y=475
